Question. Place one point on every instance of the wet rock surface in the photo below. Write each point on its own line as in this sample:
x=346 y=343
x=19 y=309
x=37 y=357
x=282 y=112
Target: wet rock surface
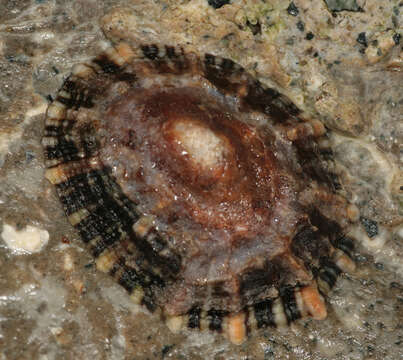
x=54 y=305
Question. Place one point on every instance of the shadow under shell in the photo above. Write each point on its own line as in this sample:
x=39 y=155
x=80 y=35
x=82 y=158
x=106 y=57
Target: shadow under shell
x=198 y=188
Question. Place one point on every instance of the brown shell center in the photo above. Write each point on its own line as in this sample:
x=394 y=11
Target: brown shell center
x=184 y=154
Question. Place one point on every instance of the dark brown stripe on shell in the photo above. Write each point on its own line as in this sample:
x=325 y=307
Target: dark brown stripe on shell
x=216 y=4
x=291 y=310
x=344 y=243
x=209 y=60
x=78 y=197
x=107 y=65
x=270 y=102
x=222 y=73
x=254 y=282
x=178 y=57
x=333 y=230
x=64 y=149
x=308 y=245
x=150 y=51
x=223 y=67
x=218 y=289
x=327 y=153
x=325 y=225
x=154 y=244
x=334 y=178
x=128 y=77
x=258 y=280
x=216 y=318
x=171 y=52
x=194 y=318
x=53 y=131
x=166 y=59
x=80 y=96
x=100 y=223
x=329 y=271
x=264 y=313
x=131 y=279
x=148 y=300
x=311 y=162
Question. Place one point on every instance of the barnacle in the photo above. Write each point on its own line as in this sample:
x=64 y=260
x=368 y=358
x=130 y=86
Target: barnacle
x=208 y=196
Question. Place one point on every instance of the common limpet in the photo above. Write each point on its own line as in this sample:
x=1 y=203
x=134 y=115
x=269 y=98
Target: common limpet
x=204 y=193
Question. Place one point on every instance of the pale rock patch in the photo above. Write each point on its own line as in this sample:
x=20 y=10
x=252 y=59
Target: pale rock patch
x=31 y=239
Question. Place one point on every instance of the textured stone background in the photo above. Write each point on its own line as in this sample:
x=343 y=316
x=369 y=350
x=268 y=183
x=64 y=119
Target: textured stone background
x=54 y=305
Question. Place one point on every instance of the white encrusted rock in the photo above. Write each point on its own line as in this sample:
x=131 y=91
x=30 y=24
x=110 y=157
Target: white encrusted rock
x=28 y=240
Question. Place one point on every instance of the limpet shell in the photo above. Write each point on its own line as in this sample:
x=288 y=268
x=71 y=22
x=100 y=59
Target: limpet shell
x=207 y=195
